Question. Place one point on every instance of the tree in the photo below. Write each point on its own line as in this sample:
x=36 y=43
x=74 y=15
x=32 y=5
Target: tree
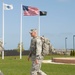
x=18 y=47
x=71 y=53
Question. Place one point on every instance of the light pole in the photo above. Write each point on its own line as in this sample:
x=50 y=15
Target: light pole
x=73 y=42
x=66 y=44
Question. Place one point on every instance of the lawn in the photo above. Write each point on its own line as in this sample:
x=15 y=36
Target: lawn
x=12 y=65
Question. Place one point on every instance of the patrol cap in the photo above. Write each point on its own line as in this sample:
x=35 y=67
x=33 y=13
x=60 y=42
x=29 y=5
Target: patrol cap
x=33 y=30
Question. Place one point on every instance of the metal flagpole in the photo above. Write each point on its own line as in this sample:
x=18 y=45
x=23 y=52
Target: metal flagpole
x=39 y=25
x=3 y=31
x=21 y=34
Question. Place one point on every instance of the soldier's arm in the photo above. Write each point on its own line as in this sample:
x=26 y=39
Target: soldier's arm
x=2 y=47
x=38 y=48
x=30 y=53
x=29 y=56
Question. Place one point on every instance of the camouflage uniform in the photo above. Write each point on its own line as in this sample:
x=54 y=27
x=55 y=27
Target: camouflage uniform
x=1 y=73
x=1 y=47
x=35 y=53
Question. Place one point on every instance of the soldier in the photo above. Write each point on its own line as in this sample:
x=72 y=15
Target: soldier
x=1 y=47
x=1 y=73
x=35 y=53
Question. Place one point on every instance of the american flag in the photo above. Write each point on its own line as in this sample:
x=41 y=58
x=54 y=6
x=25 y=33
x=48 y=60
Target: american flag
x=30 y=11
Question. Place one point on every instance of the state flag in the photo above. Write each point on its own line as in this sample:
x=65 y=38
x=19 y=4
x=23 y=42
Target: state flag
x=7 y=7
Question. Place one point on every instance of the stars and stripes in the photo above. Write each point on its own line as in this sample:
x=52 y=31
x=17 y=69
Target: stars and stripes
x=30 y=11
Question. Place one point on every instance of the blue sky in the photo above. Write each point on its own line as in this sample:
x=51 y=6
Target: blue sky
x=58 y=24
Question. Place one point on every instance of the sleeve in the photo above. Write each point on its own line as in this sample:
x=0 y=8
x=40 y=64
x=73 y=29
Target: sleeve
x=1 y=47
x=30 y=50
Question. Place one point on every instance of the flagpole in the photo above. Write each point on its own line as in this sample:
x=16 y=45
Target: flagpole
x=39 y=25
x=3 y=31
x=21 y=34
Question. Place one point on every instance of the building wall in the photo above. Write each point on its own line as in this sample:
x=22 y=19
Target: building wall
x=15 y=53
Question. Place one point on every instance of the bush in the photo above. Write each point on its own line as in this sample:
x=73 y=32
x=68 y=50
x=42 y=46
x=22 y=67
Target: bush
x=72 y=53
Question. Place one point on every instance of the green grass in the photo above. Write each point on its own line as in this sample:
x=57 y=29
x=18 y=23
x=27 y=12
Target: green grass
x=12 y=65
